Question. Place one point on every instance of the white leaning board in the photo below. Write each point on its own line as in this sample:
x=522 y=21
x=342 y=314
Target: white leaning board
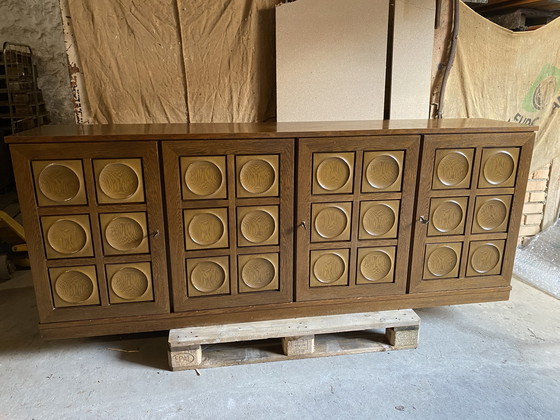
x=413 y=43
x=330 y=59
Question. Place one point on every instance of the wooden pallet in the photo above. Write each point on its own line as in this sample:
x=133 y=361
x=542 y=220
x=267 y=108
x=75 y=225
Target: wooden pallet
x=257 y=342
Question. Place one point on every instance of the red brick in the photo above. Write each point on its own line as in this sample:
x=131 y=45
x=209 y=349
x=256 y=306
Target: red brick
x=541 y=173
x=532 y=208
x=529 y=230
x=532 y=219
x=536 y=185
x=537 y=196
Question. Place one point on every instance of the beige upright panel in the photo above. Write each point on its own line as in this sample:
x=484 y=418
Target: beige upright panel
x=330 y=59
x=413 y=43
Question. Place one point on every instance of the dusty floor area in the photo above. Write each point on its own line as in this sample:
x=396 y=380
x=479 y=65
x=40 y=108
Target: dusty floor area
x=493 y=360
x=539 y=262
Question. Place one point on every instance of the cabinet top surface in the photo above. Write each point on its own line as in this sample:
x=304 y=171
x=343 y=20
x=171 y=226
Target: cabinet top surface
x=131 y=132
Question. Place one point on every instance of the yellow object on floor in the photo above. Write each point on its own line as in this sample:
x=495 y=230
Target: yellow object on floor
x=12 y=233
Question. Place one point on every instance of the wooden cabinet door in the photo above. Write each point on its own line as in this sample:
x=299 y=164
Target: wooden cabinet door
x=469 y=205
x=230 y=215
x=354 y=215
x=94 y=228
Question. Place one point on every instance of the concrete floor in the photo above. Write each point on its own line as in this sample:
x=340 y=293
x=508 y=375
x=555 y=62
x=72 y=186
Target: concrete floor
x=538 y=263
x=480 y=361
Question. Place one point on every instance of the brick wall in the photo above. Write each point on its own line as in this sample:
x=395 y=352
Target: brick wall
x=533 y=208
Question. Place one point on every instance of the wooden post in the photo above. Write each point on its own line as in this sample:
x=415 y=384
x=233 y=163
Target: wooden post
x=294 y=346
x=403 y=337
x=187 y=357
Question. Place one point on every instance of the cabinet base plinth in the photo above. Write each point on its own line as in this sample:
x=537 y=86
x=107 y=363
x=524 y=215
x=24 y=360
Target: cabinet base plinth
x=126 y=325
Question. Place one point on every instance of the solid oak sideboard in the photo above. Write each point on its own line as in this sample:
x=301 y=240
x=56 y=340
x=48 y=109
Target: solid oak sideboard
x=135 y=228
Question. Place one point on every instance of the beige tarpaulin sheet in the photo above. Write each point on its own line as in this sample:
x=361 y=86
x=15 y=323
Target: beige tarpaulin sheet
x=229 y=59
x=131 y=60
x=149 y=61
x=505 y=75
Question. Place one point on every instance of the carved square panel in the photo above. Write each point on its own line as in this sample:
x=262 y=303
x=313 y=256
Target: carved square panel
x=329 y=268
x=67 y=236
x=203 y=178
x=333 y=173
x=206 y=228
x=453 y=168
x=379 y=219
x=498 y=168
x=382 y=171
x=258 y=272
x=74 y=286
x=124 y=233
x=257 y=176
x=331 y=222
x=257 y=225
x=119 y=180
x=485 y=258
x=130 y=282
x=442 y=260
x=491 y=214
x=376 y=265
x=59 y=182
x=447 y=216
x=208 y=276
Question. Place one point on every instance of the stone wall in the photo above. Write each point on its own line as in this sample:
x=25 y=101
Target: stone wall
x=37 y=23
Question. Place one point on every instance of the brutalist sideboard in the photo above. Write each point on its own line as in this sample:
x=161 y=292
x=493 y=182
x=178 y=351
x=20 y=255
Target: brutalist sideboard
x=136 y=228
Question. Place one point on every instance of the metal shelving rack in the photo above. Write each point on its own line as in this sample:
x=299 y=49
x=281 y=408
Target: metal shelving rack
x=21 y=101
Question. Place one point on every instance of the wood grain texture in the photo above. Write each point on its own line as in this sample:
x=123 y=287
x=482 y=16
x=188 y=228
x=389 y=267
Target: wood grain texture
x=510 y=170
x=374 y=221
x=271 y=350
x=260 y=222
x=146 y=154
x=291 y=327
x=135 y=132
x=353 y=228
x=268 y=312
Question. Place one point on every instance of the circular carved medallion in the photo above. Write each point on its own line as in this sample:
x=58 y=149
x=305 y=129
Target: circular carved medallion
x=258 y=273
x=499 y=167
x=376 y=265
x=257 y=226
x=118 y=181
x=129 y=283
x=382 y=172
x=453 y=169
x=447 y=216
x=206 y=229
x=331 y=222
x=257 y=176
x=74 y=287
x=442 y=261
x=59 y=183
x=485 y=258
x=328 y=268
x=491 y=214
x=208 y=277
x=203 y=178
x=124 y=233
x=378 y=219
x=333 y=173
x=66 y=237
